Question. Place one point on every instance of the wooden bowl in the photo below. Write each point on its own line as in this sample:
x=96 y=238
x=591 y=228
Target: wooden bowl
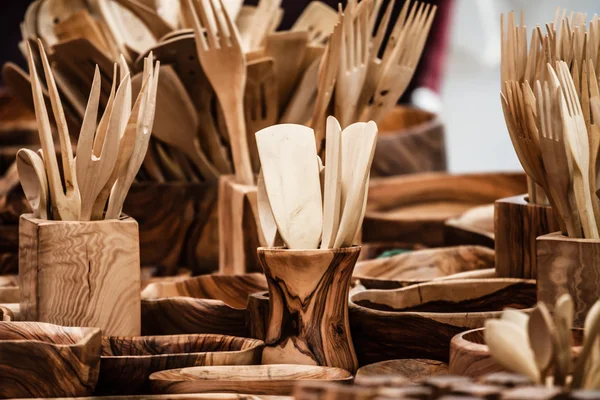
x=371 y=250
x=44 y=360
x=410 y=140
x=127 y=362
x=421 y=266
x=475 y=226
x=414 y=208
x=420 y=320
x=204 y=304
x=274 y=379
x=469 y=356
x=414 y=370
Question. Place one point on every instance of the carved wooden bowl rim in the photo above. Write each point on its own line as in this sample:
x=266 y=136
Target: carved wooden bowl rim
x=308 y=252
x=438 y=315
x=432 y=122
x=83 y=334
x=253 y=345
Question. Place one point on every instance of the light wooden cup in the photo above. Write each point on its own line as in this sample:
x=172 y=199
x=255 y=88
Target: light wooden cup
x=76 y=273
x=308 y=306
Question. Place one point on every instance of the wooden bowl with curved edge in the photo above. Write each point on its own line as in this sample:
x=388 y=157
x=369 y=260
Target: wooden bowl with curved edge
x=420 y=320
x=474 y=226
x=410 y=140
x=412 y=369
x=421 y=266
x=414 y=208
x=127 y=362
x=469 y=356
x=45 y=360
x=203 y=304
x=273 y=379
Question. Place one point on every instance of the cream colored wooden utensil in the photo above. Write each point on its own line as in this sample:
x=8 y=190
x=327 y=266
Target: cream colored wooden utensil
x=332 y=191
x=52 y=12
x=265 y=215
x=220 y=54
x=149 y=17
x=563 y=319
x=265 y=12
x=244 y=22
x=301 y=107
x=516 y=316
x=319 y=20
x=543 y=339
x=32 y=175
x=260 y=102
x=291 y=173
x=358 y=146
x=590 y=346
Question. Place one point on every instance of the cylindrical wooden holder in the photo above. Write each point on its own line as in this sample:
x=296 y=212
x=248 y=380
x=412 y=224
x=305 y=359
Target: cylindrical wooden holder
x=517 y=224
x=568 y=265
x=308 y=306
x=76 y=273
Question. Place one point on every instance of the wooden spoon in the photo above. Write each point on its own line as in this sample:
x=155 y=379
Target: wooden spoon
x=333 y=183
x=542 y=339
x=563 y=319
x=32 y=175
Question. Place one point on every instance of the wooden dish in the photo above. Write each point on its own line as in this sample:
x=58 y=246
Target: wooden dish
x=204 y=304
x=421 y=266
x=420 y=320
x=127 y=362
x=474 y=226
x=414 y=370
x=414 y=208
x=44 y=360
x=274 y=379
x=469 y=356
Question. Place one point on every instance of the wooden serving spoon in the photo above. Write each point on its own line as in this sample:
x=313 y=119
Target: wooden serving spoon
x=32 y=175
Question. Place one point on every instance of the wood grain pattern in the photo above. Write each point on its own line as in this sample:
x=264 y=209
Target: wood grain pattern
x=308 y=312
x=259 y=379
x=414 y=208
x=81 y=273
x=44 y=360
x=204 y=304
x=420 y=266
x=409 y=141
x=127 y=362
x=392 y=324
x=475 y=226
x=518 y=224
x=257 y=315
x=413 y=369
x=6 y=314
x=569 y=265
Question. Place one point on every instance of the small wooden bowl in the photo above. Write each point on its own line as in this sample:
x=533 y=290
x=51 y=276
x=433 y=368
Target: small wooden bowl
x=274 y=379
x=419 y=321
x=475 y=226
x=45 y=360
x=127 y=362
x=421 y=266
x=469 y=356
x=204 y=304
x=414 y=370
x=414 y=208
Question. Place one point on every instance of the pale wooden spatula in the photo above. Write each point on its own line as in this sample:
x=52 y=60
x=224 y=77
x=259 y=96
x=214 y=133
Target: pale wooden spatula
x=51 y=12
x=265 y=215
x=32 y=175
x=288 y=158
x=332 y=195
x=318 y=19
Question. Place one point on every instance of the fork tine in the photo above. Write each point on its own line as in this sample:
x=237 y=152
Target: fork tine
x=208 y=27
x=234 y=35
x=201 y=43
x=365 y=39
x=88 y=127
x=539 y=101
x=351 y=45
x=382 y=28
x=222 y=33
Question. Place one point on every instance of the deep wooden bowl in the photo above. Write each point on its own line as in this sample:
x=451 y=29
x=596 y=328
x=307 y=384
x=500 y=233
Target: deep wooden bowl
x=474 y=226
x=274 y=379
x=421 y=266
x=127 y=362
x=204 y=304
x=414 y=208
x=469 y=356
x=420 y=320
x=44 y=360
x=413 y=370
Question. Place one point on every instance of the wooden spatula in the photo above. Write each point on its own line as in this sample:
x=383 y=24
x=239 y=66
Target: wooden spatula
x=332 y=190
x=32 y=175
x=289 y=163
x=82 y=25
x=265 y=215
x=301 y=107
x=319 y=20
x=52 y=12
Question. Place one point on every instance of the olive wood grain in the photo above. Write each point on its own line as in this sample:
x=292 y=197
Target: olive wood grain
x=413 y=369
x=81 y=273
x=204 y=304
x=308 y=306
x=518 y=224
x=392 y=324
x=257 y=315
x=44 y=360
x=127 y=362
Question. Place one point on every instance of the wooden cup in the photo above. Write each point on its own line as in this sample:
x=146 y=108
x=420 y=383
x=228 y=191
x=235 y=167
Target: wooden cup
x=76 y=273
x=568 y=265
x=308 y=306
x=517 y=224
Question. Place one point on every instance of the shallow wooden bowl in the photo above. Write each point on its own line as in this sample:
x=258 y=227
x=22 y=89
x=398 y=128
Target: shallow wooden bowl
x=469 y=356
x=414 y=208
x=413 y=370
x=127 y=362
x=475 y=226
x=420 y=320
x=274 y=379
x=421 y=266
x=45 y=360
x=204 y=304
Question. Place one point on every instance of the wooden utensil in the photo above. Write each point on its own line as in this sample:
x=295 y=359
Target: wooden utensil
x=264 y=13
x=149 y=17
x=221 y=56
x=563 y=319
x=301 y=106
x=333 y=183
x=319 y=20
x=590 y=346
x=52 y=12
x=542 y=339
x=32 y=175
x=82 y=25
x=267 y=221
x=516 y=316
x=289 y=165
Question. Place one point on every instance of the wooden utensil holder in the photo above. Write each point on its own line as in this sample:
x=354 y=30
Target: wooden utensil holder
x=568 y=265
x=76 y=273
x=308 y=306
x=517 y=225
x=239 y=227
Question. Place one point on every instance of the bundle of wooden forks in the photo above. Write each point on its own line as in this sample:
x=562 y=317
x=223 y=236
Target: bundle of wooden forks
x=551 y=101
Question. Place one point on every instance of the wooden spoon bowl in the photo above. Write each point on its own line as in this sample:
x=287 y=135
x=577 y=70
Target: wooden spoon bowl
x=127 y=362
x=45 y=360
x=275 y=379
